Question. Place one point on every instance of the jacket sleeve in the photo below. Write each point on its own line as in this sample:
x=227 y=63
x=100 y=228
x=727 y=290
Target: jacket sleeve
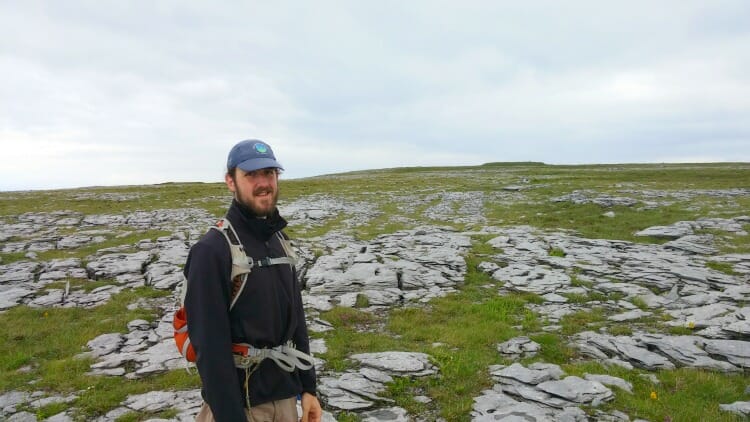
x=302 y=341
x=207 y=309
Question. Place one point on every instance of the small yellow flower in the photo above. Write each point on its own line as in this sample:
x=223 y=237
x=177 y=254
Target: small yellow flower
x=691 y=324
x=46 y=314
x=653 y=395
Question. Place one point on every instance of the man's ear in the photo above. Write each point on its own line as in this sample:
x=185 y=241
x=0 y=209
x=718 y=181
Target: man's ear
x=230 y=182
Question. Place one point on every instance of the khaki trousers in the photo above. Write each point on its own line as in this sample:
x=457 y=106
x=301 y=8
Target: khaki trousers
x=275 y=411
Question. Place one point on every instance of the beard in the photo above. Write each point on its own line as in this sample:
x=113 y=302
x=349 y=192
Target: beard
x=260 y=206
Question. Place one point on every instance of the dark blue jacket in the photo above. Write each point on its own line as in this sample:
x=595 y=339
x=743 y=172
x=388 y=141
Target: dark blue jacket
x=268 y=313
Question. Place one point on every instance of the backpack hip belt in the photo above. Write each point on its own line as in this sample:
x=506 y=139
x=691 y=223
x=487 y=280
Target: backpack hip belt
x=286 y=356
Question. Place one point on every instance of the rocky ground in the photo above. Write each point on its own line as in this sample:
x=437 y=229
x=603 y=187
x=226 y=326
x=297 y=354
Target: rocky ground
x=631 y=284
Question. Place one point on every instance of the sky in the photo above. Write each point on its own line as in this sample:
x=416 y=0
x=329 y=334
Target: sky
x=142 y=92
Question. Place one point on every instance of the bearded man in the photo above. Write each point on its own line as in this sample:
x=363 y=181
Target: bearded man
x=265 y=315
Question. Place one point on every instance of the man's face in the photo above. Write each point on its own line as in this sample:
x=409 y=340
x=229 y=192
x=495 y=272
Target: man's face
x=258 y=189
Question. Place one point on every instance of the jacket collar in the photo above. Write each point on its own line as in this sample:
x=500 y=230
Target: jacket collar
x=261 y=228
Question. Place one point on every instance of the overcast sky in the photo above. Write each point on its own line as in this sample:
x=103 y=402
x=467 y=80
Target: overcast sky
x=112 y=93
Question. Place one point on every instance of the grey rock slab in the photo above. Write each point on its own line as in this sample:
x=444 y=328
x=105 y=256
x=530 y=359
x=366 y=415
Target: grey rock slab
x=22 y=417
x=105 y=344
x=534 y=279
x=398 y=363
x=519 y=347
x=741 y=408
x=630 y=316
x=395 y=414
x=673 y=231
x=623 y=347
x=578 y=390
x=164 y=276
x=11 y=296
x=685 y=350
x=496 y=406
x=360 y=385
x=701 y=316
x=554 y=298
x=340 y=399
x=63 y=264
x=490 y=401
x=173 y=252
x=321 y=303
x=532 y=394
x=53 y=297
x=78 y=240
x=153 y=401
x=18 y=272
x=46 y=401
x=109 y=266
x=696 y=244
x=610 y=381
x=10 y=400
x=384 y=297
x=643 y=358
x=318 y=346
x=735 y=351
x=525 y=375
x=60 y=417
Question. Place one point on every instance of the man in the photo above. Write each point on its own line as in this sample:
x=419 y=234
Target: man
x=267 y=311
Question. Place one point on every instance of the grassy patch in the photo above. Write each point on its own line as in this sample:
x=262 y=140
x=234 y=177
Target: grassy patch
x=640 y=303
x=724 y=267
x=362 y=301
x=554 y=348
x=403 y=390
x=382 y=224
x=681 y=395
x=141 y=416
x=584 y=320
x=557 y=252
x=335 y=223
x=103 y=200
x=620 y=330
x=10 y=257
x=44 y=339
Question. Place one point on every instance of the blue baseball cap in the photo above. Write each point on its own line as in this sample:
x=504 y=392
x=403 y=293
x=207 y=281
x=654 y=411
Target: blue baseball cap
x=252 y=154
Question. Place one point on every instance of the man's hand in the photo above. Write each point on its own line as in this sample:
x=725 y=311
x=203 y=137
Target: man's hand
x=311 y=411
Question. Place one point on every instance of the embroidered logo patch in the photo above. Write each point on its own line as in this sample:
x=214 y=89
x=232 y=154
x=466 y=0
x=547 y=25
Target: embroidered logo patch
x=261 y=148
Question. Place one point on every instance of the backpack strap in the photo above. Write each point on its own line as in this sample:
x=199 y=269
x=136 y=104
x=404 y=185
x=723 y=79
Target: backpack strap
x=242 y=264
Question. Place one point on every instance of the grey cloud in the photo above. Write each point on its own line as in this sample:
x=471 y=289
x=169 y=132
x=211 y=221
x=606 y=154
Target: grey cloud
x=543 y=81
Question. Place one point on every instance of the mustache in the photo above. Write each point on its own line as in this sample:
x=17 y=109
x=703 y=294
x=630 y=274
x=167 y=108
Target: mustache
x=261 y=191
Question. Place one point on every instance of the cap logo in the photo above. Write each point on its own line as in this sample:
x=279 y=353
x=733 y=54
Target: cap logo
x=260 y=148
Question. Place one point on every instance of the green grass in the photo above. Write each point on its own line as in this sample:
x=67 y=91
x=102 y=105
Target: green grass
x=682 y=395
x=557 y=252
x=724 y=267
x=586 y=320
x=46 y=341
x=141 y=416
x=149 y=197
x=640 y=303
